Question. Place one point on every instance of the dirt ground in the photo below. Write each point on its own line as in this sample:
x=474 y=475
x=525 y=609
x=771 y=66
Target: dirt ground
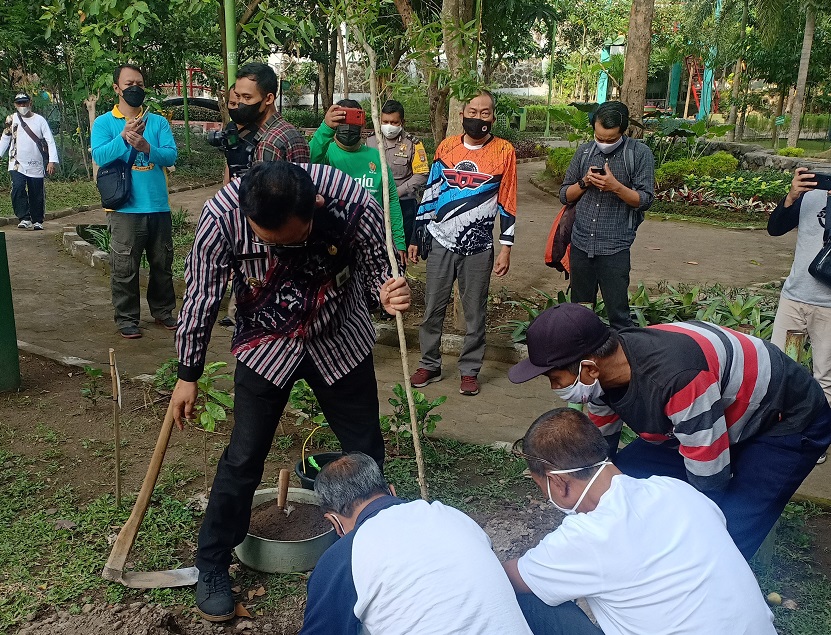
x=69 y=435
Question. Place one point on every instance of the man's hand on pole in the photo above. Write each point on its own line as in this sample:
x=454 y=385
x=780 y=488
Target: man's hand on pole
x=183 y=401
x=395 y=296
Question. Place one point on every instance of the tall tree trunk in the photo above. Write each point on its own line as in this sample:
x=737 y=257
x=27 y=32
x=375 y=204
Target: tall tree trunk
x=316 y=98
x=737 y=77
x=636 y=67
x=428 y=67
x=455 y=14
x=802 y=77
x=780 y=106
x=343 y=68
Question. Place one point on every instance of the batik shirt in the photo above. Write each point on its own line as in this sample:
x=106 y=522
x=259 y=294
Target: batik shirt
x=466 y=190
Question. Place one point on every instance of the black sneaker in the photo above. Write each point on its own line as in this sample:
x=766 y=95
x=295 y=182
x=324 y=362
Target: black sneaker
x=130 y=332
x=214 y=599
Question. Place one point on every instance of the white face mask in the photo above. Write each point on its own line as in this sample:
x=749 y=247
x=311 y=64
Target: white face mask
x=390 y=131
x=573 y=510
x=608 y=148
x=579 y=392
x=23 y=110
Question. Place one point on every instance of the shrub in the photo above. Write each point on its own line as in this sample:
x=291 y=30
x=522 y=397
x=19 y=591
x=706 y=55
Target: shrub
x=672 y=173
x=528 y=148
x=790 y=151
x=717 y=165
x=302 y=118
x=558 y=161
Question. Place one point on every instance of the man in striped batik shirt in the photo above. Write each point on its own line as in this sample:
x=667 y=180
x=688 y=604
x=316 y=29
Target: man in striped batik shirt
x=727 y=412
x=306 y=246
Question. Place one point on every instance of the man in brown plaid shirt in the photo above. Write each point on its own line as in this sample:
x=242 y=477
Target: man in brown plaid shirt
x=275 y=138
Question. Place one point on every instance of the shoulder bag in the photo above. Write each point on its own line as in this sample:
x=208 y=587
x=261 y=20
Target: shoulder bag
x=820 y=267
x=115 y=182
x=40 y=143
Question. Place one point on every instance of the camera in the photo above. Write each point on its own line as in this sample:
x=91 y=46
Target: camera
x=600 y=171
x=239 y=152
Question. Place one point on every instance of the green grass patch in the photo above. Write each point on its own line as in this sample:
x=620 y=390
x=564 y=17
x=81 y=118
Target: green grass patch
x=469 y=477
x=59 y=195
x=53 y=548
x=707 y=214
x=793 y=573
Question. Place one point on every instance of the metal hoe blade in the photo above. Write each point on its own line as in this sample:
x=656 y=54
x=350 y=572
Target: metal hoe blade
x=160 y=579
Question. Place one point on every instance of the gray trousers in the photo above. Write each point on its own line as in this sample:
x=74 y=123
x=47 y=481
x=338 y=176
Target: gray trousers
x=131 y=236
x=474 y=274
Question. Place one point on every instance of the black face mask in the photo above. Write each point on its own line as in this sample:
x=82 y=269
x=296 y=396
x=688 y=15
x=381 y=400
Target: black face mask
x=134 y=96
x=246 y=114
x=349 y=135
x=233 y=113
x=476 y=128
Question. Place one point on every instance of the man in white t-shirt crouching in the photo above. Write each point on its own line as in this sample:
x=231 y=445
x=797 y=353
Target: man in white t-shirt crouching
x=411 y=568
x=649 y=555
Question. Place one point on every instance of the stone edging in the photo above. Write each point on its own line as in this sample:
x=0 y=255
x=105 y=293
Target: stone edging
x=530 y=160
x=12 y=220
x=93 y=257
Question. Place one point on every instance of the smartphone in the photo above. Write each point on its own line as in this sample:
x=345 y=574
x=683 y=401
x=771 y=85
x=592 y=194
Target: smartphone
x=823 y=181
x=600 y=171
x=354 y=116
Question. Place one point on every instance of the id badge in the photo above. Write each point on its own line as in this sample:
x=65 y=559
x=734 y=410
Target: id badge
x=342 y=277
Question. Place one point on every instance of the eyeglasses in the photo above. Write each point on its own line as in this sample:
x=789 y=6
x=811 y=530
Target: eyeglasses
x=262 y=243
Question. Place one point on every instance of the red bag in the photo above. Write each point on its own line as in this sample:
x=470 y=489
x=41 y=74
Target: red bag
x=558 y=245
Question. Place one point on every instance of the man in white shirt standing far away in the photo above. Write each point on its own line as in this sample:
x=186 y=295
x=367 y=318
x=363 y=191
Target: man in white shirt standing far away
x=651 y=556
x=31 y=146
x=411 y=568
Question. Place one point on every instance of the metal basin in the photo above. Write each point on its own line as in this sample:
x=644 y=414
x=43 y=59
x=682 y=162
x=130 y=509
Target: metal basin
x=284 y=556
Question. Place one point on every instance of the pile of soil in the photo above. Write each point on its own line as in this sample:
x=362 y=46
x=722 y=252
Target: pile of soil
x=303 y=521
x=136 y=619
x=139 y=618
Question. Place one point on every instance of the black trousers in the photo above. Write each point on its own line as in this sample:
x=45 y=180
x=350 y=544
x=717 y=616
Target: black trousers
x=28 y=199
x=611 y=274
x=351 y=408
x=409 y=207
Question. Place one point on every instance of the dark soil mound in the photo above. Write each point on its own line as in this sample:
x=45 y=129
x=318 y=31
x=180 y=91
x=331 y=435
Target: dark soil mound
x=303 y=521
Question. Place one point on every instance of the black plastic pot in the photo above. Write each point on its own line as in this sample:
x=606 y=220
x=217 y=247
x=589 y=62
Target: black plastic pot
x=307 y=478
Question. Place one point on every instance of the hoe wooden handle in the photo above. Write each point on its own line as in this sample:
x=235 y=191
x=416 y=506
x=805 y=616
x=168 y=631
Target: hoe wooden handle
x=282 y=489
x=127 y=536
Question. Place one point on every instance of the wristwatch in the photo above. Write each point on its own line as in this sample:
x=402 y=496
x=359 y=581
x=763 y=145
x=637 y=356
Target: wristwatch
x=582 y=184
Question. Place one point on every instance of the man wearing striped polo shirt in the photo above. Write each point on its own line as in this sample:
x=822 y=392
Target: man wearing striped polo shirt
x=306 y=245
x=727 y=412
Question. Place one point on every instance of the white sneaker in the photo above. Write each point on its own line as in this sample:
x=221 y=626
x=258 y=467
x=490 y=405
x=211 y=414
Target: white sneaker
x=25 y=224
x=37 y=226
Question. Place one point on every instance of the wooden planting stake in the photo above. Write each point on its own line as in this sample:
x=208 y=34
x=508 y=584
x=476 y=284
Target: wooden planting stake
x=391 y=252
x=116 y=424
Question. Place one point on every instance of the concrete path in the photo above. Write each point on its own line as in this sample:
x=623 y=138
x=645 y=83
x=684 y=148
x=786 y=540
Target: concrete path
x=63 y=306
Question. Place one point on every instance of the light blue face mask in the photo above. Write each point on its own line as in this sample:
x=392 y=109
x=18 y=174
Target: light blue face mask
x=573 y=510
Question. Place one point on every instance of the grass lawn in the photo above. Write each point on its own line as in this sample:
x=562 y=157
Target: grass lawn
x=813 y=147
x=59 y=195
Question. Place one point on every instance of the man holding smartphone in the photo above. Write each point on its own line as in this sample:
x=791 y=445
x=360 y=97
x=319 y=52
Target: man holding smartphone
x=338 y=142
x=611 y=183
x=143 y=223
x=805 y=302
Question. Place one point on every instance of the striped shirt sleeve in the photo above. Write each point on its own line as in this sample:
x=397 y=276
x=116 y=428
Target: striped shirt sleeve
x=206 y=276
x=604 y=418
x=696 y=411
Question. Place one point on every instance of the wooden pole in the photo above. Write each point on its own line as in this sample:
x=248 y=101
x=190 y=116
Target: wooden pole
x=116 y=425
x=393 y=256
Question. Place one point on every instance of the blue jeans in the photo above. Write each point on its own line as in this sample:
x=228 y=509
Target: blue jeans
x=766 y=472
x=564 y=619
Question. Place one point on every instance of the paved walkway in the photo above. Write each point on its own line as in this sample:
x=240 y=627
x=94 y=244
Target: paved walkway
x=63 y=306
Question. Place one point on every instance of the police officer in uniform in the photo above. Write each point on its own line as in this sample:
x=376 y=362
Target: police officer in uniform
x=407 y=159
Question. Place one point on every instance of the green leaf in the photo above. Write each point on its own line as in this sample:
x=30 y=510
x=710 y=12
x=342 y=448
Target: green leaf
x=221 y=397
x=216 y=412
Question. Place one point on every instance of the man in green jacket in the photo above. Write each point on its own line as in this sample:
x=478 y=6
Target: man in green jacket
x=349 y=154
